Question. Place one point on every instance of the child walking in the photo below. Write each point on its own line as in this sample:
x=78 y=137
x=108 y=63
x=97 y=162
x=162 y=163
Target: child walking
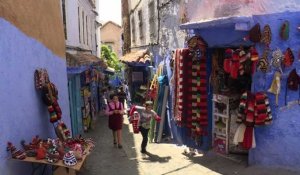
x=146 y=113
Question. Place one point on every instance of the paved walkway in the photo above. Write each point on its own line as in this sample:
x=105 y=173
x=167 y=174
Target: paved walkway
x=165 y=159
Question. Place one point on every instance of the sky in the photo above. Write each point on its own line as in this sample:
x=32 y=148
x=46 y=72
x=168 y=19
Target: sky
x=110 y=10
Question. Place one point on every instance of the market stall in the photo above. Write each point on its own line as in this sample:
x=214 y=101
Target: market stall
x=254 y=84
x=138 y=73
x=60 y=163
x=63 y=151
x=85 y=79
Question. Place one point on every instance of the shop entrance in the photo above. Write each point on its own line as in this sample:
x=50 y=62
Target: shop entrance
x=231 y=76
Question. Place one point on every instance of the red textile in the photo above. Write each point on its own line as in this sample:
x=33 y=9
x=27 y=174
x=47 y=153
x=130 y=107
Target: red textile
x=234 y=69
x=248 y=138
x=115 y=121
x=190 y=107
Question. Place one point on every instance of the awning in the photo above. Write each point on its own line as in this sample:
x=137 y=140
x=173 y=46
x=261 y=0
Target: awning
x=238 y=21
x=138 y=56
x=77 y=63
x=223 y=32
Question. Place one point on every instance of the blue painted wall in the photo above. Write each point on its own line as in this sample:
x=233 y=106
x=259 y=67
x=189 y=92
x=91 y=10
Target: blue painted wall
x=23 y=113
x=278 y=143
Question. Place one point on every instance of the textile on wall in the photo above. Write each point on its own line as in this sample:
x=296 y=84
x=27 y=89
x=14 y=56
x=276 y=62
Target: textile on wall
x=190 y=105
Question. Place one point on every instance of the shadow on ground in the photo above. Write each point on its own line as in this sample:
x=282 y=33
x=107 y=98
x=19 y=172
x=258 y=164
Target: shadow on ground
x=106 y=158
x=234 y=165
x=155 y=158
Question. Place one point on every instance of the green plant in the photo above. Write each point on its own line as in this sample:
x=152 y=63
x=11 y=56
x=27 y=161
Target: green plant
x=111 y=58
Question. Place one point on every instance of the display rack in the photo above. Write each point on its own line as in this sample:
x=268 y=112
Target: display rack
x=222 y=105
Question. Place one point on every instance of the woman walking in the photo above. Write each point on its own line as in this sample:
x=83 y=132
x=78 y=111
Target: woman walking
x=115 y=111
x=146 y=113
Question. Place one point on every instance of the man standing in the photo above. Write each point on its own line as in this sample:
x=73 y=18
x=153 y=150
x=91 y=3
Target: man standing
x=122 y=95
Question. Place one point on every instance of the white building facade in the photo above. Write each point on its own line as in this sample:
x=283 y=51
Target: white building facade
x=81 y=26
x=155 y=26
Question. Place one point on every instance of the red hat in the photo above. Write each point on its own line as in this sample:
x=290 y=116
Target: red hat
x=228 y=53
x=288 y=57
x=236 y=56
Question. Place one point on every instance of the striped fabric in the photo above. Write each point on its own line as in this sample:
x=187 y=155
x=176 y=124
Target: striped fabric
x=254 y=109
x=190 y=109
x=178 y=87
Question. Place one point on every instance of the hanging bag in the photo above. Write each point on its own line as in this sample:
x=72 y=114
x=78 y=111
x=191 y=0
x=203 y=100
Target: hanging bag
x=62 y=131
x=277 y=58
x=263 y=63
x=41 y=77
x=135 y=122
x=288 y=58
x=292 y=83
x=284 y=30
x=267 y=35
x=275 y=86
x=255 y=33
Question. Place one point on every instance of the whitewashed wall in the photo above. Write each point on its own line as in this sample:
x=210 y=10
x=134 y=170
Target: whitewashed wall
x=72 y=25
x=170 y=36
x=207 y=9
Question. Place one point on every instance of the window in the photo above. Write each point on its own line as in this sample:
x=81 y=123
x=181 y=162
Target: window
x=140 y=15
x=96 y=41
x=91 y=31
x=133 y=30
x=79 y=25
x=152 y=24
x=63 y=5
x=83 y=32
x=87 y=30
x=96 y=44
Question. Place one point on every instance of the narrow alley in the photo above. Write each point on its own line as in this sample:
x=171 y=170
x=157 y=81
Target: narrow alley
x=163 y=159
x=209 y=86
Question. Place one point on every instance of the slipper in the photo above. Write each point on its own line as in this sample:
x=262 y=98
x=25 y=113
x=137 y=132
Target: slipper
x=284 y=30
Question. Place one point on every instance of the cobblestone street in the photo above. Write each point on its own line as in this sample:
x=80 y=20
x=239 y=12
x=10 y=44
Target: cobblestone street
x=164 y=158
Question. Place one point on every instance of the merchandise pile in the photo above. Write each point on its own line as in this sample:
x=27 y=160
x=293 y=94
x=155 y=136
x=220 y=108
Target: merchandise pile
x=68 y=151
